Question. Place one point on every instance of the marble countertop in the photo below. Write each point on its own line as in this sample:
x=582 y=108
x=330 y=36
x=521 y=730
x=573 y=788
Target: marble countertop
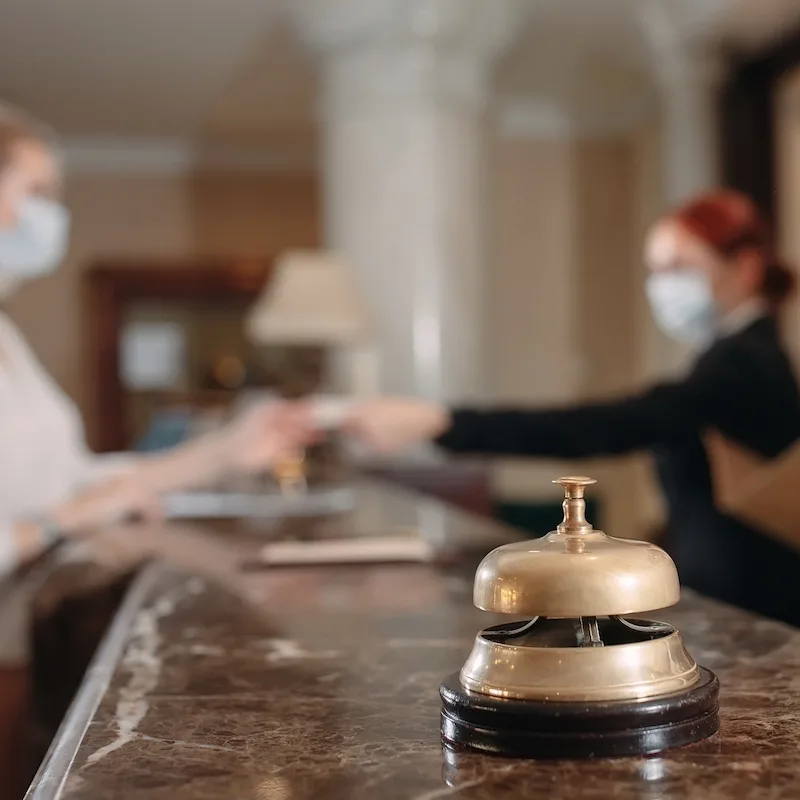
x=323 y=683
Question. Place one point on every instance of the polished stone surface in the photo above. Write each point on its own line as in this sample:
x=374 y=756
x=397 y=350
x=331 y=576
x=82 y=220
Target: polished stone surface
x=323 y=683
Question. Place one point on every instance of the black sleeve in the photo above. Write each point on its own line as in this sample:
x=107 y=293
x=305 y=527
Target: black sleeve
x=659 y=415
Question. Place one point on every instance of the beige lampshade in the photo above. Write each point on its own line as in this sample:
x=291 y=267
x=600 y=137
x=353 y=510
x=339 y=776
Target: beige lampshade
x=313 y=299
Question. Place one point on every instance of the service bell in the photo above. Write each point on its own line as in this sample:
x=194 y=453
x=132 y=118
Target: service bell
x=579 y=675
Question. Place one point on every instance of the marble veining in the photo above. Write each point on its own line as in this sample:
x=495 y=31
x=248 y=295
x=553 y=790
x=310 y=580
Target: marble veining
x=281 y=650
x=143 y=661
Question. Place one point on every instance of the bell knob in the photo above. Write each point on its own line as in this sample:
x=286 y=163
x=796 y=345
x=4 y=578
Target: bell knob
x=576 y=571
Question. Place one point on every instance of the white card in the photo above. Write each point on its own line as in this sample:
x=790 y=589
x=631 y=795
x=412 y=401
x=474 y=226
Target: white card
x=331 y=412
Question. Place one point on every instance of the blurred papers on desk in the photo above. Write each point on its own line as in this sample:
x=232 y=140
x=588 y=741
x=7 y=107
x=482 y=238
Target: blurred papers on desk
x=255 y=505
x=390 y=549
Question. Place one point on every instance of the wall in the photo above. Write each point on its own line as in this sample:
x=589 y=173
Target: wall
x=653 y=349
x=128 y=214
x=532 y=284
x=787 y=128
x=567 y=310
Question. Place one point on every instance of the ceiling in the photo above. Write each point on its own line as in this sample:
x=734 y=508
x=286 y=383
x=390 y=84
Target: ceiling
x=232 y=70
x=155 y=68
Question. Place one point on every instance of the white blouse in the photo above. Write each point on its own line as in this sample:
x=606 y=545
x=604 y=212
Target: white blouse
x=44 y=454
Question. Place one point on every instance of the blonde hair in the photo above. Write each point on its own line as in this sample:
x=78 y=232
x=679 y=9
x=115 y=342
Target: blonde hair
x=17 y=125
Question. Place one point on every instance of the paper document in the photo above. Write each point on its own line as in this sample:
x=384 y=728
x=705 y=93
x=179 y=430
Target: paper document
x=377 y=549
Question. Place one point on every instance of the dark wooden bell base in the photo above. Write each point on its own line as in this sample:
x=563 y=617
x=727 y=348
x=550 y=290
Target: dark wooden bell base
x=543 y=729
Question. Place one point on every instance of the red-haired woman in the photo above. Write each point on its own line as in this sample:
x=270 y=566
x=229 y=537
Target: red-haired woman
x=713 y=281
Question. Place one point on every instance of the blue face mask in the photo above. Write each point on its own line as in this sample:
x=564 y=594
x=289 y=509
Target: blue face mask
x=683 y=305
x=36 y=244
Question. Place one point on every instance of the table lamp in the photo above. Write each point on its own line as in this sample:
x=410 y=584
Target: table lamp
x=314 y=300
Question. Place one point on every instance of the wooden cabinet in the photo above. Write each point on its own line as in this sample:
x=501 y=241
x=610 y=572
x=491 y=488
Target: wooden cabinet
x=114 y=290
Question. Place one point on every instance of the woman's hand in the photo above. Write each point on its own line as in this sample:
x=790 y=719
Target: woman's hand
x=268 y=434
x=108 y=503
x=391 y=424
x=119 y=549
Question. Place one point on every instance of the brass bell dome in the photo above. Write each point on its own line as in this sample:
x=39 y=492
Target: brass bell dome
x=577 y=675
x=576 y=571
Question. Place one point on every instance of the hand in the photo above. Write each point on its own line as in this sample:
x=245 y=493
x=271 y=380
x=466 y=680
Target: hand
x=120 y=549
x=391 y=424
x=268 y=434
x=97 y=560
x=106 y=504
x=116 y=549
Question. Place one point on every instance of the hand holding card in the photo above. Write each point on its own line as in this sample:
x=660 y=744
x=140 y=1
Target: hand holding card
x=330 y=412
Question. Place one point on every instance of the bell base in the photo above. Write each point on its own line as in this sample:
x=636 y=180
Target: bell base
x=598 y=729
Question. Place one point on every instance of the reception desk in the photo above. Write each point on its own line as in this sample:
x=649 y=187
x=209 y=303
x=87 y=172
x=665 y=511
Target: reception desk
x=322 y=682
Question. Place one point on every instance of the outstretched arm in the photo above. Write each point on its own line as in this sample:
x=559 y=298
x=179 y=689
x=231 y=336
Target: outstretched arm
x=658 y=415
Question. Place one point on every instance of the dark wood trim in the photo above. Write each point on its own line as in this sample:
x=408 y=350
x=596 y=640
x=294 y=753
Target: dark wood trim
x=749 y=146
x=748 y=136
x=112 y=285
x=17 y=758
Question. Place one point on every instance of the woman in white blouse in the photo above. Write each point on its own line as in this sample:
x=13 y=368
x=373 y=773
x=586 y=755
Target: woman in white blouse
x=51 y=485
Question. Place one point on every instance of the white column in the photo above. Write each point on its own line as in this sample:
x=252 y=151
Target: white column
x=689 y=89
x=687 y=73
x=404 y=83
x=690 y=86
